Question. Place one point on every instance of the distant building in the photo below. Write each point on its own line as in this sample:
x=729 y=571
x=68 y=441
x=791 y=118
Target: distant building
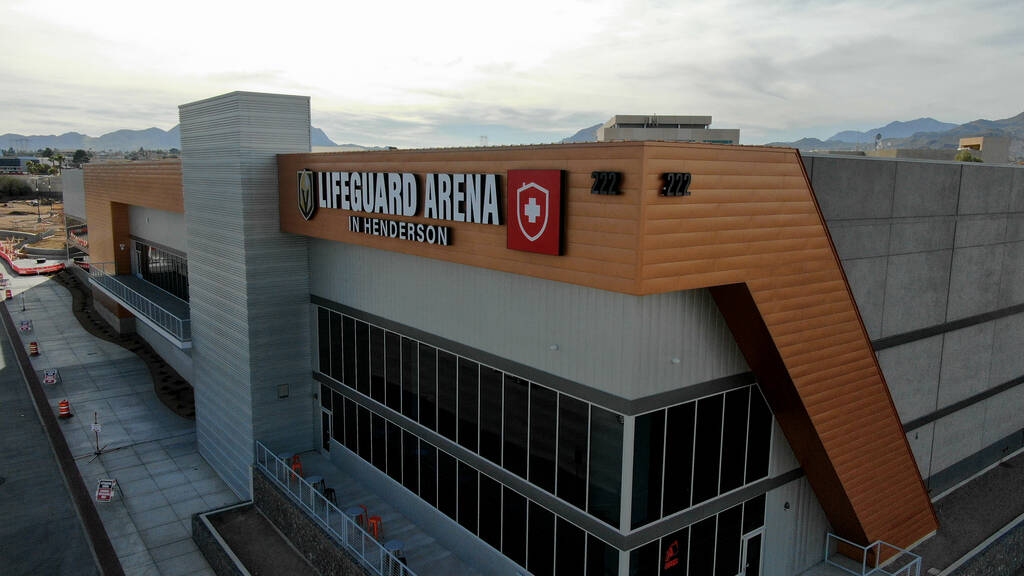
x=992 y=149
x=665 y=128
x=16 y=165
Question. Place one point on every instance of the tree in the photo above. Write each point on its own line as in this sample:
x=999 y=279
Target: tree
x=58 y=161
x=80 y=157
x=966 y=156
x=13 y=186
x=10 y=152
x=48 y=152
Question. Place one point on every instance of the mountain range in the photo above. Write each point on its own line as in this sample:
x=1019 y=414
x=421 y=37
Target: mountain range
x=121 y=140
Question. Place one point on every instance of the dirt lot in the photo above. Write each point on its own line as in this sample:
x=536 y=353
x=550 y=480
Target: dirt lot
x=20 y=215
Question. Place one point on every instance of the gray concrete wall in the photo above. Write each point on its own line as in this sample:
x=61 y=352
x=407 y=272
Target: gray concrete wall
x=180 y=360
x=74 y=192
x=934 y=254
x=249 y=293
x=159 y=226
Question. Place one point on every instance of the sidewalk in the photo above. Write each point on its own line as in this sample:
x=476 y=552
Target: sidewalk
x=148 y=449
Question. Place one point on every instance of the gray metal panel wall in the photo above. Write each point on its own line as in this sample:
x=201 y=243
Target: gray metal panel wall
x=248 y=281
x=617 y=343
x=159 y=226
x=795 y=537
x=74 y=192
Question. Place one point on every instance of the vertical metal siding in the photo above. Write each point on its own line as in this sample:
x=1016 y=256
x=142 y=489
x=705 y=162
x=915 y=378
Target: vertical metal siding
x=794 y=539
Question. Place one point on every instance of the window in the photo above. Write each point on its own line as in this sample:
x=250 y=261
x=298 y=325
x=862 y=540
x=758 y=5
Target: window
x=467 y=497
x=393 y=370
x=377 y=364
x=702 y=543
x=380 y=444
x=410 y=390
x=162 y=268
x=352 y=426
x=605 y=494
x=728 y=549
x=644 y=560
x=490 y=507
x=446 y=395
x=410 y=462
x=648 y=444
x=365 y=435
x=543 y=414
x=490 y=414
x=674 y=552
x=707 y=448
x=517 y=410
x=469 y=397
x=759 y=437
x=428 y=473
x=734 y=439
x=572 y=451
x=678 y=458
x=570 y=550
x=753 y=514
x=541 y=555
x=513 y=526
x=349 y=352
x=337 y=358
x=602 y=559
x=447 y=487
x=323 y=339
x=395 y=452
x=338 y=416
x=428 y=386
x=363 y=357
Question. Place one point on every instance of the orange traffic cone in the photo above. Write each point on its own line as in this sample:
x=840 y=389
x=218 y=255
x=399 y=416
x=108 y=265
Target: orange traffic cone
x=64 y=410
x=33 y=349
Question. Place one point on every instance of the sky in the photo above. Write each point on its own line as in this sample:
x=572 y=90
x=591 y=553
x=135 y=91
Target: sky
x=450 y=73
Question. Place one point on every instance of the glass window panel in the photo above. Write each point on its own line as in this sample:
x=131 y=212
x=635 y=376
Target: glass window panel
x=516 y=419
x=337 y=359
x=447 y=485
x=605 y=499
x=467 y=497
x=325 y=396
x=410 y=390
x=395 y=452
x=351 y=426
x=490 y=414
x=490 y=504
x=759 y=437
x=323 y=339
x=753 y=514
x=674 y=552
x=602 y=559
x=377 y=364
x=541 y=556
x=446 y=395
x=648 y=445
x=380 y=443
x=338 y=414
x=678 y=458
x=363 y=357
x=702 y=543
x=734 y=439
x=348 y=341
x=570 y=546
x=513 y=526
x=543 y=417
x=644 y=561
x=410 y=462
x=469 y=407
x=572 y=451
x=707 y=448
x=365 y=434
x=428 y=473
x=393 y=370
x=428 y=386
x=727 y=553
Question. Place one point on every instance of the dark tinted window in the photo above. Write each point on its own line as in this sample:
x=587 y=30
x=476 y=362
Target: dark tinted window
x=513 y=526
x=428 y=473
x=447 y=485
x=648 y=445
x=572 y=450
x=351 y=426
x=380 y=443
x=395 y=452
x=728 y=550
x=707 y=449
x=337 y=356
x=678 y=457
x=349 y=345
x=674 y=553
x=570 y=549
x=446 y=395
x=644 y=561
x=490 y=504
x=734 y=439
x=363 y=357
x=469 y=397
x=325 y=396
x=517 y=410
x=753 y=514
x=365 y=434
x=393 y=370
x=428 y=386
x=540 y=558
x=605 y=465
x=377 y=363
x=323 y=339
x=602 y=559
x=543 y=414
x=490 y=414
x=759 y=436
x=467 y=497
x=410 y=462
x=409 y=373
x=338 y=425
x=702 y=543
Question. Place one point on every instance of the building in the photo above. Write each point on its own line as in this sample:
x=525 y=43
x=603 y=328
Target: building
x=16 y=164
x=993 y=149
x=666 y=128
x=610 y=358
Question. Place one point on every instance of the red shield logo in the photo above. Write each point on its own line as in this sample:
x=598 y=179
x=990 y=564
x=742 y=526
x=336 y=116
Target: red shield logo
x=534 y=209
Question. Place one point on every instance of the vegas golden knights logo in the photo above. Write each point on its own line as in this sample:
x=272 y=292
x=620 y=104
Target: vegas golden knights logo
x=307 y=197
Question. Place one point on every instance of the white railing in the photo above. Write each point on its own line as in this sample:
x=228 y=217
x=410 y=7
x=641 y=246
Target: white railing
x=177 y=327
x=367 y=549
x=876 y=558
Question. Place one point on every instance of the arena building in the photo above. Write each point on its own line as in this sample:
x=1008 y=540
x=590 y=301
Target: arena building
x=605 y=358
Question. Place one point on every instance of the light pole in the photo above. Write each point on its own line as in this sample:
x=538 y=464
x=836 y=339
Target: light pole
x=39 y=217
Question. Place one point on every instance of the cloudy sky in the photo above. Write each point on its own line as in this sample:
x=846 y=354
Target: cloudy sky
x=446 y=73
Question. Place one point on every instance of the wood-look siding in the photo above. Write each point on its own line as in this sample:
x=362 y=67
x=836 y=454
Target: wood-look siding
x=751 y=230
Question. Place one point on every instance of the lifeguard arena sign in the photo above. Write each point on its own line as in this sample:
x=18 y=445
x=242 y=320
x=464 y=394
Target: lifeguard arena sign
x=533 y=201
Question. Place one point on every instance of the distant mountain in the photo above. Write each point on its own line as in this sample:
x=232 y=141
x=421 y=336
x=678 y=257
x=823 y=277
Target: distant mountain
x=893 y=130
x=123 y=140
x=585 y=135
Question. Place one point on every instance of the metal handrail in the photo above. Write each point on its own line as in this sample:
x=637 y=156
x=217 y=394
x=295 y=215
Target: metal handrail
x=871 y=558
x=338 y=525
x=180 y=328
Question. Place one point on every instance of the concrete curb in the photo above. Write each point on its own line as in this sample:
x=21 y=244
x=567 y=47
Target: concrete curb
x=102 y=550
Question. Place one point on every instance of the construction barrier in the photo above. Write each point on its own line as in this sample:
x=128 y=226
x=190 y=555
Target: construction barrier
x=64 y=410
x=33 y=349
x=8 y=295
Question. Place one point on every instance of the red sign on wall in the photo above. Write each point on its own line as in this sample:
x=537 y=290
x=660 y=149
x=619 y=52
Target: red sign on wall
x=535 y=211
